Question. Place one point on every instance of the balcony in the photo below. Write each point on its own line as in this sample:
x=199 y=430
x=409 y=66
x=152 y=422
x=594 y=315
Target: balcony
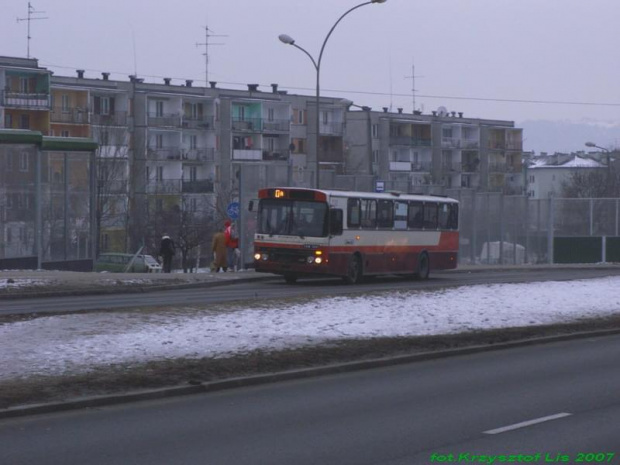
x=470 y=166
x=107 y=188
x=470 y=144
x=26 y=100
x=282 y=155
x=497 y=145
x=70 y=115
x=400 y=166
x=203 y=122
x=247 y=125
x=331 y=129
x=118 y=118
x=451 y=166
x=422 y=166
x=498 y=168
x=261 y=155
x=516 y=145
x=172 y=120
x=450 y=143
x=197 y=187
x=278 y=125
x=161 y=186
x=409 y=141
x=164 y=153
x=198 y=155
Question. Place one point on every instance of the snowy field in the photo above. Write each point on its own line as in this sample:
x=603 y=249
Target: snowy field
x=57 y=345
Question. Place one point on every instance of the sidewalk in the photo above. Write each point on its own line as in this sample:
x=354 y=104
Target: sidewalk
x=42 y=283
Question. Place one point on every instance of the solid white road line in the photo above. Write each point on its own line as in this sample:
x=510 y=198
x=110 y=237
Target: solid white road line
x=527 y=423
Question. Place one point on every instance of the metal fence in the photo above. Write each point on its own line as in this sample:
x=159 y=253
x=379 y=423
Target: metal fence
x=502 y=229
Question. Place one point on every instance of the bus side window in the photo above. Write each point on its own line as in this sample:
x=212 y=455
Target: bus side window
x=415 y=217
x=430 y=216
x=353 y=213
x=400 y=215
x=369 y=213
x=444 y=214
x=453 y=217
x=385 y=210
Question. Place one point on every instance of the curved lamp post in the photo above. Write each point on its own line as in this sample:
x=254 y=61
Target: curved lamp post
x=593 y=145
x=286 y=39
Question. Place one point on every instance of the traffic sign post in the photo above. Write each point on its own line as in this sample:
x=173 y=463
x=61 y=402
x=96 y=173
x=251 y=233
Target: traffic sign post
x=233 y=210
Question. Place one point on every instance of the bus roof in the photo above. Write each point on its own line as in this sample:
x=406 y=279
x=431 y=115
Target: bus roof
x=328 y=193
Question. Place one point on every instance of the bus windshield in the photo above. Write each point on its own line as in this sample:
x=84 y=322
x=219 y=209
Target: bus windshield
x=292 y=217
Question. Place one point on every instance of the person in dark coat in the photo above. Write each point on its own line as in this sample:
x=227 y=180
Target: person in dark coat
x=166 y=251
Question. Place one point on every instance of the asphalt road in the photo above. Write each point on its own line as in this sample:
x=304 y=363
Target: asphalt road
x=561 y=398
x=278 y=289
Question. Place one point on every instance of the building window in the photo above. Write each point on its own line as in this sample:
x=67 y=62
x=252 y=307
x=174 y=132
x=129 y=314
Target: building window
x=64 y=134
x=325 y=117
x=193 y=173
x=375 y=156
x=65 y=103
x=446 y=132
x=104 y=137
x=24 y=122
x=193 y=141
x=8 y=121
x=24 y=86
x=375 y=131
x=159 y=141
x=23 y=161
x=241 y=113
x=159 y=108
x=160 y=173
x=271 y=114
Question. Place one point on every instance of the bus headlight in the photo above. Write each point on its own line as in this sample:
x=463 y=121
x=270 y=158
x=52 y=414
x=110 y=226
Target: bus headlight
x=310 y=259
x=264 y=257
x=318 y=260
x=256 y=256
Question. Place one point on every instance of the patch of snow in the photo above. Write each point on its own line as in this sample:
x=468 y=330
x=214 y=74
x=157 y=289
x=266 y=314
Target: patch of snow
x=10 y=283
x=77 y=343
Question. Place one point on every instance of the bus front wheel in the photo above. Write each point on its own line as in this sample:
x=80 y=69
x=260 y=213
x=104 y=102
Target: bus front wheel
x=424 y=266
x=354 y=271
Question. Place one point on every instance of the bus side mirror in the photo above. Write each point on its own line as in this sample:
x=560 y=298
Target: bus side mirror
x=251 y=206
x=335 y=221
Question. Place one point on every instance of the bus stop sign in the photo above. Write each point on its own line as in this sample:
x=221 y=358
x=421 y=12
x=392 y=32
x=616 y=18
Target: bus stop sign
x=233 y=210
x=379 y=186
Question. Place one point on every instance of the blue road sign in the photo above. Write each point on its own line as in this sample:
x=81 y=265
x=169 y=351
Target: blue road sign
x=379 y=186
x=233 y=210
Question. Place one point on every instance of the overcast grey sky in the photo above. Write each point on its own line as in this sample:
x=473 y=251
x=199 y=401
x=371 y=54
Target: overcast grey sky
x=540 y=50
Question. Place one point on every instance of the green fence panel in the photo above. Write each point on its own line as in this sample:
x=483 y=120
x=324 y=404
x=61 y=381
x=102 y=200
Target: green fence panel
x=612 y=249
x=577 y=249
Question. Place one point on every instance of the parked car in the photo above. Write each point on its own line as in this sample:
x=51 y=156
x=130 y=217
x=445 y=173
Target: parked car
x=119 y=262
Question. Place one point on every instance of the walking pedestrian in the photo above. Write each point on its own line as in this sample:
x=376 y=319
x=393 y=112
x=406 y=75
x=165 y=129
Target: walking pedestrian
x=232 y=245
x=167 y=250
x=218 y=246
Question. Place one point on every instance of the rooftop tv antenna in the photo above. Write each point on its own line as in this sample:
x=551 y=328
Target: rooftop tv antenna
x=31 y=17
x=413 y=89
x=206 y=45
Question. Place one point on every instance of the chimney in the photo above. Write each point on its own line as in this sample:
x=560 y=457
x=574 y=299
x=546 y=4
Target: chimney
x=274 y=88
x=106 y=76
x=212 y=84
x=460 y=114
x=253 y=87
x=434 y=113
x=454 y=114
x=132 y=78
x=80 y=73
x=167 y=81
x=400 y=110
x=385 y=109
x=188 y=83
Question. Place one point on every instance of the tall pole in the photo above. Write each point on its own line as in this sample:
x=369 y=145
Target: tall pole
x=30 y=17
x=317 y=66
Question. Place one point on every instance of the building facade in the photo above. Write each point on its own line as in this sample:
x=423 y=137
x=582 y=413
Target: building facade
x=174 y=150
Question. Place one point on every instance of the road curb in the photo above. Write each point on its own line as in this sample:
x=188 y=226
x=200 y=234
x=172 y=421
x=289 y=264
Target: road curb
x=248 y=381
x=131 y=289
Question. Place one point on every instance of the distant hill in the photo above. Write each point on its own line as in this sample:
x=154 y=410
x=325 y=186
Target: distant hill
x=567 y=136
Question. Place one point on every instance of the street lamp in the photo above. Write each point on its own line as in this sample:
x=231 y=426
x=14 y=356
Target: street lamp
x=288 y=40
x=593 y=145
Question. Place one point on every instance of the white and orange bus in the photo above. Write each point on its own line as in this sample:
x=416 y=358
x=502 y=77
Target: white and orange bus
x=309 y=232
